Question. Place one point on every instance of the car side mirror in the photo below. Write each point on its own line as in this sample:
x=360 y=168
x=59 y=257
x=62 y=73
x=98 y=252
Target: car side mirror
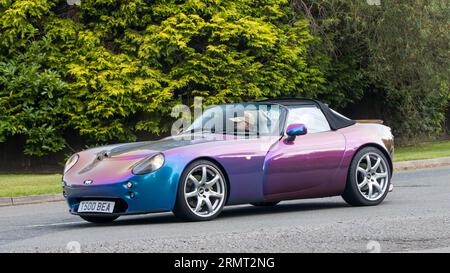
x=295 y=130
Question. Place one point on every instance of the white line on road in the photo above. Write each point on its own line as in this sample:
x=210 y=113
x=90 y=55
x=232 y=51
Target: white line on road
x=431 y=250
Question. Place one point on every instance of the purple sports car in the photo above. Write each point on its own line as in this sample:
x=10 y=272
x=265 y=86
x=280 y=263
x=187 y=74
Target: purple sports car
x=259 y=153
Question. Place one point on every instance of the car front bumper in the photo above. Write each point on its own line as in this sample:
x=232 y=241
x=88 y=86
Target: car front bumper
x=155 y=192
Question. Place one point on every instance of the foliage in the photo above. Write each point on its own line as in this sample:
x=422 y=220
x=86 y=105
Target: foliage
x=411 y=60
x=108 y=69
x=32 y=100
x=111 y=70
x=397 y=55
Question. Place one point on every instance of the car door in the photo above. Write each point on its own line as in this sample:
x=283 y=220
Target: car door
x=304 y=167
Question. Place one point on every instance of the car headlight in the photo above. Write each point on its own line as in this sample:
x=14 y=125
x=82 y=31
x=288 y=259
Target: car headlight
x=149 y=164
x=71 y=162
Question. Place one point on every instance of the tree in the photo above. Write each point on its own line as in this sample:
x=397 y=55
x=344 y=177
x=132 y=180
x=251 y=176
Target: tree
x=116 y=67
x=397 y=53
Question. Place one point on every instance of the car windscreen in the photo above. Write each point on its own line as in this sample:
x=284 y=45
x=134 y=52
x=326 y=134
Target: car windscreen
x=240 y=119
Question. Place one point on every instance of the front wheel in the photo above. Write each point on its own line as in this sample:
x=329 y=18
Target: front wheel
x=99 y=219
x=202 y=192
x=368 y=179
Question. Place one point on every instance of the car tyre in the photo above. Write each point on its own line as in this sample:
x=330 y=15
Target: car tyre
x=368 y=179
x=202 y=192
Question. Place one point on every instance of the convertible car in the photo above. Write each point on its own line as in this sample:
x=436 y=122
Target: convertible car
x=259 y=153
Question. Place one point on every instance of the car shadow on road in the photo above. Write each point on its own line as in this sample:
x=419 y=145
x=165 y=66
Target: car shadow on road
x=280 y=208
x=229 y=212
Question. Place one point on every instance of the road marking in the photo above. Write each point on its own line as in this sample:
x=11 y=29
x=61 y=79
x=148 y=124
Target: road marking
x=430 y=250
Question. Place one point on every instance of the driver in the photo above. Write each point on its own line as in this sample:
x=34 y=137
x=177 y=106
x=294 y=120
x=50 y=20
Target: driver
x=245 y=123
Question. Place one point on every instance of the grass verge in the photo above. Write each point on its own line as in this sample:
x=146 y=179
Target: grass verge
x=423 y=151
x=13 y=185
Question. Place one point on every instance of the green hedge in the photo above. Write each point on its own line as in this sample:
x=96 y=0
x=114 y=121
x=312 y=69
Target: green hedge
x=108 y=70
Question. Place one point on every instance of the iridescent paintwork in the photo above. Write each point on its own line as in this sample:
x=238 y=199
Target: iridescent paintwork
x=266 y=168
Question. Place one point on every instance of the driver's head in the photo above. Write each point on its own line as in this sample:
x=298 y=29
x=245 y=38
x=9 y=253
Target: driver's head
x=245 y=122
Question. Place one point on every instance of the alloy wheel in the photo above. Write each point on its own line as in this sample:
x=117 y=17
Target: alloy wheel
x=372 y=176
x=204 y=190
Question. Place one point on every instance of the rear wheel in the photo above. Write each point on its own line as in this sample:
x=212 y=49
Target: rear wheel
x=99 y=219
x=201 y=192
x=368 y=179
x=265 y=204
